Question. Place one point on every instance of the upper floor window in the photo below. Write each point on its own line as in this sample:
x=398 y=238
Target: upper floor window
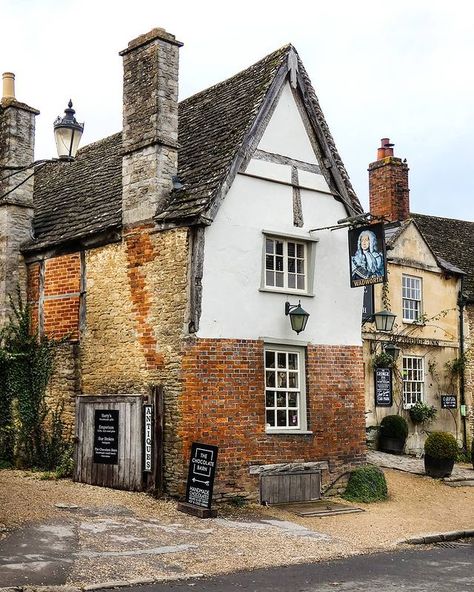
x=285 y=404
x=286 y=263
x=411 y=298
x=413 y=380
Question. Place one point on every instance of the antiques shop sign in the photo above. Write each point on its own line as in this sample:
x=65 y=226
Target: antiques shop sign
x=106 y=435
x=201 y=472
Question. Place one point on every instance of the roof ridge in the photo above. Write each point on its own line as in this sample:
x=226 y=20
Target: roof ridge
x=282 y=51
x=442 y=218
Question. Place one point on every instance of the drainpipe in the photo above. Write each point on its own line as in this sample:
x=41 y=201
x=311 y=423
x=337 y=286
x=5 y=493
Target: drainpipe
x=462 y=382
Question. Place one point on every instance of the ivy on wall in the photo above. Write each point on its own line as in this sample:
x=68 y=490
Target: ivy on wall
x=32 y=433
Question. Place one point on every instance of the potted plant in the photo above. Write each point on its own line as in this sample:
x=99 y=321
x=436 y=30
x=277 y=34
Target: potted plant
x=393 y=434
x=441 y=450
x=422 y=413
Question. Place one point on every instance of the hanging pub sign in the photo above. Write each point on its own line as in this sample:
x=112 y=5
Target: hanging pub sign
x=367 y=256
x=368 y=304
x=449 y=402
x=147 y=438
x=106 y=436
x=202 y=468
x=383 y=387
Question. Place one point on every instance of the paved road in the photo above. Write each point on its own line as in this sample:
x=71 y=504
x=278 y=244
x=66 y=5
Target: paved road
x=418 y=570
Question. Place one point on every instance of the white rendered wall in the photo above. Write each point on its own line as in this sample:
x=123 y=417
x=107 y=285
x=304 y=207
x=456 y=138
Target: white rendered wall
x=233 y=306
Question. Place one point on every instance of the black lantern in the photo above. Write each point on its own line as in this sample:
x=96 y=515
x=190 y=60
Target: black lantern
x=392 y=350
x=298 y=316
x=384 y=320
x=67 y=133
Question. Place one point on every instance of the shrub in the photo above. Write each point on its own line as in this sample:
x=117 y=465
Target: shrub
x=441 y=445
x=421 y=412
x=394 y=426
x=366 y=484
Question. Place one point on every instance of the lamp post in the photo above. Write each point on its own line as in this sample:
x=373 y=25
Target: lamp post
x=298 y=316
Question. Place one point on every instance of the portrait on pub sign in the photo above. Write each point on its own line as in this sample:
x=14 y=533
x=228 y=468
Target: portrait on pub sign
x=367 y=258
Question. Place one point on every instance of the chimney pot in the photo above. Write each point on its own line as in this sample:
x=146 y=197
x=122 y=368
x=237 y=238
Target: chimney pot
x=386 y=149
x=8 y=85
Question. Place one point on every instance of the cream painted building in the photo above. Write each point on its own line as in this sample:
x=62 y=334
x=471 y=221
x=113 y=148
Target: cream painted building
x=423 y=290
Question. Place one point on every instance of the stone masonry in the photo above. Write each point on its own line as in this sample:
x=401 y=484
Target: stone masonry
x=17 y=128
x=150 y=123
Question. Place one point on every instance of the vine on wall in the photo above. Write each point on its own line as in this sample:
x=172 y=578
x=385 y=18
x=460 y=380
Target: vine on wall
x=32 y=434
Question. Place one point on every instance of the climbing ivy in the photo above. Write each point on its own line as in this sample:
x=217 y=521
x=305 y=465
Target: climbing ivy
x=32 y=434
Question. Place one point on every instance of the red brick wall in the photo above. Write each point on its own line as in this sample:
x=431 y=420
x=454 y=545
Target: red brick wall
x=223 y=404
x=60 y=293
x=388 y=189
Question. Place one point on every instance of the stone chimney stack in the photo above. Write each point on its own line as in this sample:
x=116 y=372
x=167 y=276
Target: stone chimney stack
x=150 y=124
x=388 y=185
x=17 y=140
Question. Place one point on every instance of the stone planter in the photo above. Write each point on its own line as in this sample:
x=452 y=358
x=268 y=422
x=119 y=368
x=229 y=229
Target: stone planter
x=391 y=445
x=438 y=467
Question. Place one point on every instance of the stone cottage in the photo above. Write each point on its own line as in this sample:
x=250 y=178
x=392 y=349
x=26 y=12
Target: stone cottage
x=166 y=253
x=429 y=288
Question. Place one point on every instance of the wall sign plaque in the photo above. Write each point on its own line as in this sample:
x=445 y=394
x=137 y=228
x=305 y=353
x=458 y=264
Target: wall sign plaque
x=147 y=438
x=106 y=436
x=202 y=468
x=449 y=402
x=383 y=387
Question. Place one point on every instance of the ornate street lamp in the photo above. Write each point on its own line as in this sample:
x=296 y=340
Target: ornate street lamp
x=67 y=133
x=298 y=316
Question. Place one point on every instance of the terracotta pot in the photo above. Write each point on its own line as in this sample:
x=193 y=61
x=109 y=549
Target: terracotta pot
x=438 y=467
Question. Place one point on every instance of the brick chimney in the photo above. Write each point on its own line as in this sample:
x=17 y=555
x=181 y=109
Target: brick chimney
x=388 y=185
x=150 y=124
x=17 y=140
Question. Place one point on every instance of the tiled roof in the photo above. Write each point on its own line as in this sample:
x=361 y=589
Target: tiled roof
x=453 y=241
x=79 y=199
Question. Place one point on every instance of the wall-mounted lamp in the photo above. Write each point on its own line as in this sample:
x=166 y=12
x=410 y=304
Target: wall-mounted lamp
x=384 y=320
x=392 y=350
x=298 y=316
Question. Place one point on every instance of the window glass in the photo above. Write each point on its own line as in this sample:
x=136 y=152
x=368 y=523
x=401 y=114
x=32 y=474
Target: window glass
x=285 y=265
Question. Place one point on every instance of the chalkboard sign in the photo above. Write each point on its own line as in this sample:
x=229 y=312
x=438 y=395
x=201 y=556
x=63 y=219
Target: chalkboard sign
x=106 y=434
x=383 y=387
x=449 y=402
x=202 y=468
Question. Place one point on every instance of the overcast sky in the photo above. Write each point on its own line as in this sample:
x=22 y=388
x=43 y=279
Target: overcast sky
x=402 y=70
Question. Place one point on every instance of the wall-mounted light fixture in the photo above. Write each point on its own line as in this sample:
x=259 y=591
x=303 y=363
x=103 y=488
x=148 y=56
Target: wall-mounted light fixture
x=384 y=320
x=298 y=316
x=392 y=350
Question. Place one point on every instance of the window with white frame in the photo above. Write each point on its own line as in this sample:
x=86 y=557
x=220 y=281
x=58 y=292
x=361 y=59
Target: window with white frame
x=285 y=400
x=286 y=263
x=413 y=380
x=411 y=298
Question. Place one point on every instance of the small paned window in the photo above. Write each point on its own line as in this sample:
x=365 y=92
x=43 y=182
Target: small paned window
x=413 y=380
x=411 y=297
x=285 y=264
x=285 y=407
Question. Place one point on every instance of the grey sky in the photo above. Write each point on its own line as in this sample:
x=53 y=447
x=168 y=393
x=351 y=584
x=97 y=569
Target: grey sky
x=380 y=69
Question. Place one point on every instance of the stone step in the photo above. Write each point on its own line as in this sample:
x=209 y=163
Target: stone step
x=464 y=483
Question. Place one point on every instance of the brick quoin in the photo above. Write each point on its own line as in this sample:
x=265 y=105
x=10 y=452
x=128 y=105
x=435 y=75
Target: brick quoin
x=223 y=403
